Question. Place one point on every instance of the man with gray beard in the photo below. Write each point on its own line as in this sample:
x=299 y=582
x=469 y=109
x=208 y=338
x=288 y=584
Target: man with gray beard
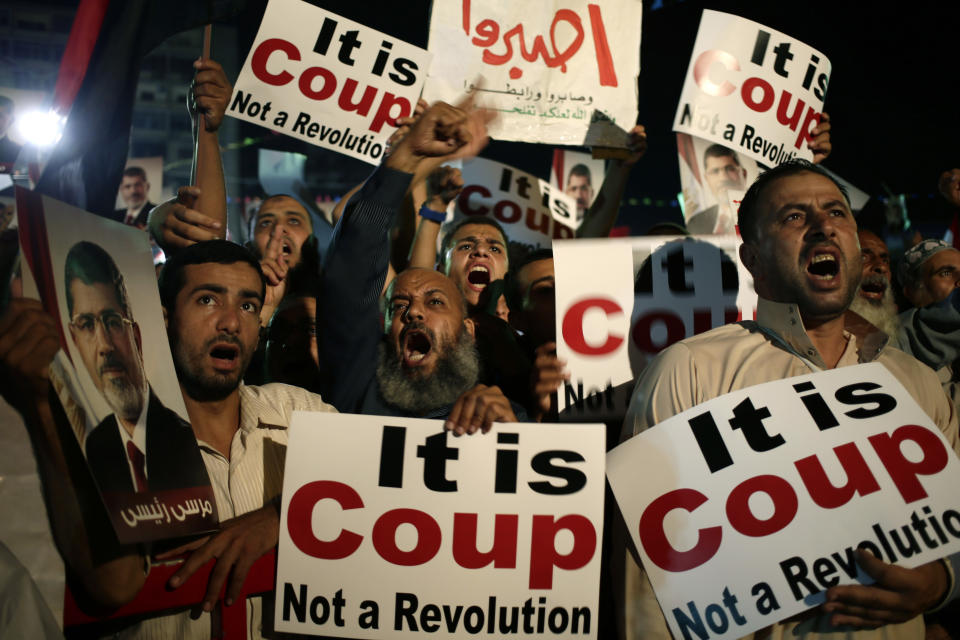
x=874 y=300
x=142 y=445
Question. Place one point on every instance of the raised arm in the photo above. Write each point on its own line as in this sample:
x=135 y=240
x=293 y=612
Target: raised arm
x=601 y=215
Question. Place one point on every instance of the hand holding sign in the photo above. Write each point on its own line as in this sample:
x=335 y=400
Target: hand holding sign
x=898 y=595
x=28 y=341
x=239 y=544
x=479 y=408
x=820 y=139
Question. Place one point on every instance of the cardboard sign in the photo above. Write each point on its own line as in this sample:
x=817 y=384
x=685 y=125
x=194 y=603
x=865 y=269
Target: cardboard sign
x=335 y=83
x=114 y=374
x=753 y=89
x=394 y=528
x=558 y=71
x=714 y=178
x=526 y=207
x=654 y=291
x=746 y=508
x=580 y=176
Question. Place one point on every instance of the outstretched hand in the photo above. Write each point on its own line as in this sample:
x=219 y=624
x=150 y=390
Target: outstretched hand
x=176 y=224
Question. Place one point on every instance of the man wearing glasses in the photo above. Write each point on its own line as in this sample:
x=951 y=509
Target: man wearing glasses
x=142 y=445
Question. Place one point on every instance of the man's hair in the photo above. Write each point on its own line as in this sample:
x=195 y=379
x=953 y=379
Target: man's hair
x=172 y=279
x=91 y=264
x=580 y=170
x=720 y=151
x=456 y=226
x=6 y=101
x=747 y=216
x=513 y=293
x=133 y=172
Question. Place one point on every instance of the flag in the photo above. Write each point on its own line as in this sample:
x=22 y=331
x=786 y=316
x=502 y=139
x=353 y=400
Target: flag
x=97 y=86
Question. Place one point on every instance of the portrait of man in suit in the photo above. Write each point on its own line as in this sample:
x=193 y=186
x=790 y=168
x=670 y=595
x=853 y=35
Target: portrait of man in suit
x=134 y=191
x=142 y=445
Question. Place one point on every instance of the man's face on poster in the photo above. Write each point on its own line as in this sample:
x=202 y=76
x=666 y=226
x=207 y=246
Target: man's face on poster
x=109 y=345
x=724 y=172
x=579 y=188
x=133 y=190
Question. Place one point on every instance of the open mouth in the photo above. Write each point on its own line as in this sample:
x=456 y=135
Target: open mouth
x=416 y=347
x=873 y=287
x=823 y=266
x=286 y=248
x=478 y=277
x=224 y=356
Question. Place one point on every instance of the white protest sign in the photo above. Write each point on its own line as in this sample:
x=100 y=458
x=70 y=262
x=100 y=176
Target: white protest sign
x=558 y=71
x=316 y=76
x=394 y=528
x=791 y=478
x=753 y=89
x=526 y=207
x=654 y=291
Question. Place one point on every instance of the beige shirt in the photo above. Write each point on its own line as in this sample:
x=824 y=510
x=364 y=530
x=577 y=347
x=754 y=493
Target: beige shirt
x=741 y=355
x=251 y=477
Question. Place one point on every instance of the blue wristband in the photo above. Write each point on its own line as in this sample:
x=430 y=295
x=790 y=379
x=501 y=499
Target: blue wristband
x=437 y=216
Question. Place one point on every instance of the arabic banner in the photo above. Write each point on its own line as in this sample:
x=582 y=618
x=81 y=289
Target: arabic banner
x=558 y=71
x=529 y=210
x=714 y=180
x=316 y=76
x=117 y=386
x=493 y=535
x=655 y=291
x=746 y=508
x=753 y=89
x=580 y=176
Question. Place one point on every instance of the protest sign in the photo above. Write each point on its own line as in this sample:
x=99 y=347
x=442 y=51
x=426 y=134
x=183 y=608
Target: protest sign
x=316 y=76
x=654 y=291
x=753 y=89
x=714 y=179
x=558 y=71
x=579 y=175
x=746 y=508
x=394 y=528
x=526 y=207
x=114 y=374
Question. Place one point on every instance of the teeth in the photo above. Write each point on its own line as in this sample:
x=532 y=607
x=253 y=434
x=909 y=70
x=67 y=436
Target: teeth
x=821 y=257
x=416 y=356
x=479 y=268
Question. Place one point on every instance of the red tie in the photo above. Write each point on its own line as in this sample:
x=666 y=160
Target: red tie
x=138 y=461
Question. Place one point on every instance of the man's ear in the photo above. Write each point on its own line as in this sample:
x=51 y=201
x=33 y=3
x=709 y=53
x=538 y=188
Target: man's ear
x=750 y=259
x=471 y=328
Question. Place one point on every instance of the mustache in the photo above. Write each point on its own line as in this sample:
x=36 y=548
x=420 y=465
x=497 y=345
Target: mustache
x=417 y=326
x=223 y=338
x=111 y=361
x=875 y=279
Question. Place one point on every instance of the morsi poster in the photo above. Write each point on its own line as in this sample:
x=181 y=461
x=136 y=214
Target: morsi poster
x=115 y=379
x=746 y=508
x=655 y=291
x=753 y=89
x=557 y=71
x=335 y=83
x=395 y=528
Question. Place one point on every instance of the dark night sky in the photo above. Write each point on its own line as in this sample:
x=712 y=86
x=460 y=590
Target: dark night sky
x=892 y=95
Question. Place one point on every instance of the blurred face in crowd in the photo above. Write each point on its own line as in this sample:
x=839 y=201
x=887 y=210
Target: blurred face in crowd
x=537 y=317
x=134 y=190
x=722 y=173
x=109 y=345
x=875 y=283
x=940 y=275
x=579 y=188
x=476 y=257
x=214 y=327
x=806 y=250
x=291 y=219
x=291 y=353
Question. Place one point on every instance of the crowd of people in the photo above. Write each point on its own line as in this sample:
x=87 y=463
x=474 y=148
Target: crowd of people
x=383 y=325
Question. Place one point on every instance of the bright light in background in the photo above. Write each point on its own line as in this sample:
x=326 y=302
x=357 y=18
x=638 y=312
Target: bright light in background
x=40 y=128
